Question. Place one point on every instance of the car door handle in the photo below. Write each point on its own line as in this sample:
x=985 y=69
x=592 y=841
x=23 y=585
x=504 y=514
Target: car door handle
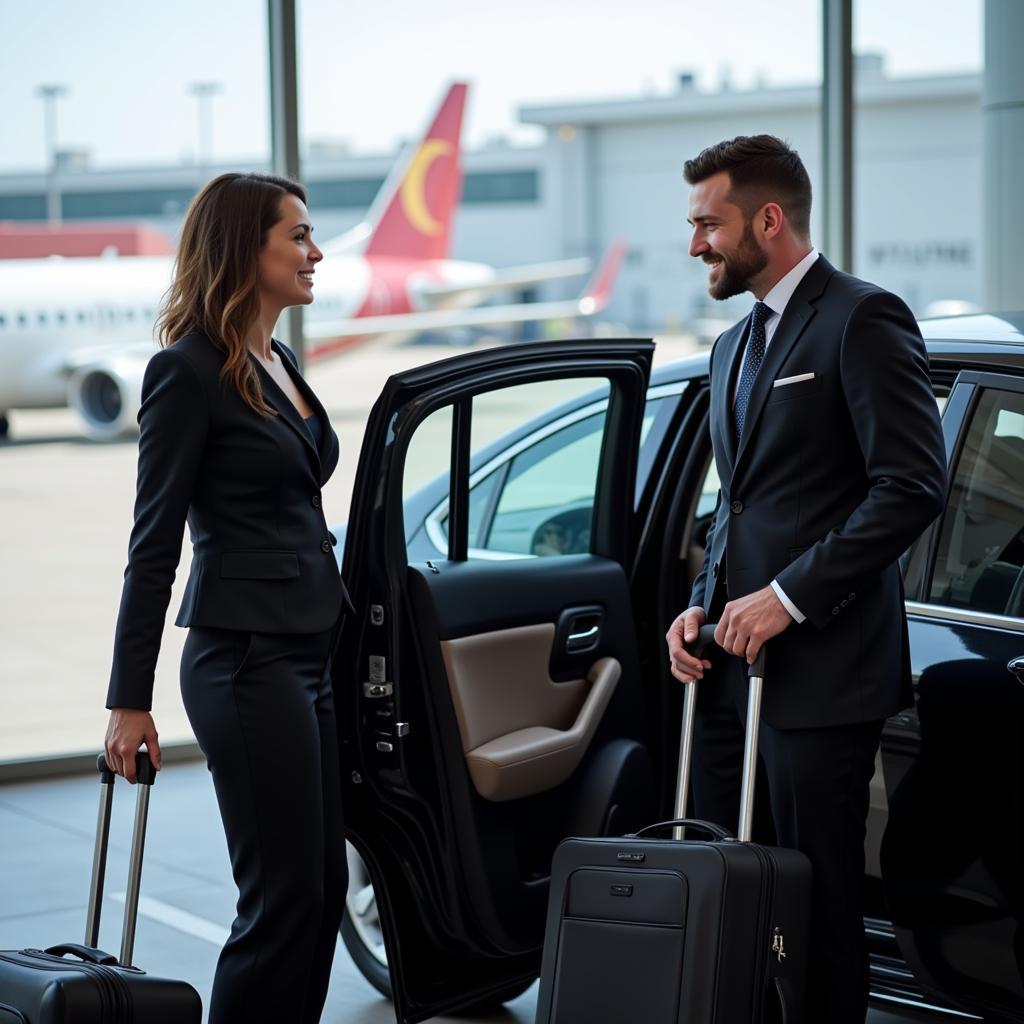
x=1016 y=666
x=577 y=632
x=584 y=640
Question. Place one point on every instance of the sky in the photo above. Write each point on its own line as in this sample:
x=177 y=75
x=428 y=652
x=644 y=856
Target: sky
x=371 y=71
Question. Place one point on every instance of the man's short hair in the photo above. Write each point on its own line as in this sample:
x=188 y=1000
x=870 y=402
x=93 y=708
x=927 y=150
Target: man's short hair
x=762 y=169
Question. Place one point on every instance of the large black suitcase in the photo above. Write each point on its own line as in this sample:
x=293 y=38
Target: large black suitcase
x=675 y=929
x=42 y=986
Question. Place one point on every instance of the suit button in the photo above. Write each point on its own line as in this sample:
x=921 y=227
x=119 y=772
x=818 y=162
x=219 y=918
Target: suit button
x=835 y=611
x=316 y=501
x=851 y=597
x=714 y=569
x=843 y=603
x=325 y=547
x=736 y=508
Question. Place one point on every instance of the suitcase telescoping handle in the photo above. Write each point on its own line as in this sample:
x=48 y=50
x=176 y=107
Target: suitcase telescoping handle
x=755 y=673
x=146 y=776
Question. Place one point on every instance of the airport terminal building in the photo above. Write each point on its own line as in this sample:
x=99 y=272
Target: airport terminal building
x=613 y=169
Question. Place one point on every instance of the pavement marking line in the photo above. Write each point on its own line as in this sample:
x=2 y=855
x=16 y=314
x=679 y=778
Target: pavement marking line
x=182 y=920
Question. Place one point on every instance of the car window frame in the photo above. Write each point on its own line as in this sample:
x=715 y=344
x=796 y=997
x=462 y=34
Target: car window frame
x=976 y=383
x=916 y=561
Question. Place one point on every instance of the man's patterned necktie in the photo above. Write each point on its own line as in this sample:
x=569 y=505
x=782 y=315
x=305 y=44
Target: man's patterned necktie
x=751 y=363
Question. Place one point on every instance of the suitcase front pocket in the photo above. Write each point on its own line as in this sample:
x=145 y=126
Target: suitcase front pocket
x=620 y=948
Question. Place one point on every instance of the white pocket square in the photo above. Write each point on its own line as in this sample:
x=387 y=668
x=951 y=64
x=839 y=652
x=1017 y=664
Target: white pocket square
x=792 y=380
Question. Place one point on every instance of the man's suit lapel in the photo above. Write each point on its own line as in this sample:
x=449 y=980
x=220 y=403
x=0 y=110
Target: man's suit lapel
x=727 y=352
x=799 y=312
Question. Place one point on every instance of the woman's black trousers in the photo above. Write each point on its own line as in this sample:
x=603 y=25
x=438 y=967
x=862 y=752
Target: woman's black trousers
x=262 y=709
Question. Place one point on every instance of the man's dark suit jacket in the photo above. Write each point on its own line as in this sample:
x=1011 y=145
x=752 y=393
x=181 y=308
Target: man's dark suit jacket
x=249 y=486
x=834 y=477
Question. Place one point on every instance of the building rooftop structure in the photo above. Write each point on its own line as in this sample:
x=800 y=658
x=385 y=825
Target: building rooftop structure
x=86 y=238
x=872 y=88
x=611 y=168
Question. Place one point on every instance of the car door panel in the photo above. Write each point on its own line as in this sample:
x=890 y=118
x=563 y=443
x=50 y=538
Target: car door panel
x=952 y=857
x=480 y=625
x=952 y=854
x=512 y=681
x=474 y=735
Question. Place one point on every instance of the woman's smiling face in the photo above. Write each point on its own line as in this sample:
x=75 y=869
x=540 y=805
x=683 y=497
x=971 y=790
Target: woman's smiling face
x=288 y=258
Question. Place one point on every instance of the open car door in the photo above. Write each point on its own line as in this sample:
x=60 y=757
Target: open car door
x=490 y=699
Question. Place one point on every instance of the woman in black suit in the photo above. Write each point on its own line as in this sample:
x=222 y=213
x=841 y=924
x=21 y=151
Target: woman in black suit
x=234 y=440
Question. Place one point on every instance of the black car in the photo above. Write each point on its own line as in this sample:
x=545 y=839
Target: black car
x=474 y=741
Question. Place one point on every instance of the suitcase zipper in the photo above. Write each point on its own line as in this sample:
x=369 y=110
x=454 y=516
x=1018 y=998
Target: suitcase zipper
x=773 y=937
x=762 y=966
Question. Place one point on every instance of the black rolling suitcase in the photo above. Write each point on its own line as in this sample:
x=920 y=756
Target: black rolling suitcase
x=672 y=930
x=42 y=986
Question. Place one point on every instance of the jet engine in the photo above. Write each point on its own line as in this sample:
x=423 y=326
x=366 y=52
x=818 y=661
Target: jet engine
x=106 y=395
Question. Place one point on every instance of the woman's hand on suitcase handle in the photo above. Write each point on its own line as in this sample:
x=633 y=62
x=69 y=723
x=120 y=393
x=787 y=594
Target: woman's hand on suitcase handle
x=685 y=630
x=127 y=730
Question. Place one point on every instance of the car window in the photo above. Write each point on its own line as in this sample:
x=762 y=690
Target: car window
x=481 y=505
x=655 y=407
x=980 y=560
x=531 y=492
x=558 y=471
x=539 y=501
x=547 y=498
x=427 y=460
x=659 y=417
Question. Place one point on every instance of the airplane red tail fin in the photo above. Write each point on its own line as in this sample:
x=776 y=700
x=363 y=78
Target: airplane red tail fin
x=598 y=292
x=416 y=219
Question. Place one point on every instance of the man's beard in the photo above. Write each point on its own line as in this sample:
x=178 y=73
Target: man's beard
x=737 y=270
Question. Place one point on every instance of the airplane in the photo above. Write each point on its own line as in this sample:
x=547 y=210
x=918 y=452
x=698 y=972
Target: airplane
x=73 y=331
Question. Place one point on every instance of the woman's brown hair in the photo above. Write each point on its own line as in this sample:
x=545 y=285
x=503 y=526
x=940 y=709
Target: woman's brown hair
x=215 y=290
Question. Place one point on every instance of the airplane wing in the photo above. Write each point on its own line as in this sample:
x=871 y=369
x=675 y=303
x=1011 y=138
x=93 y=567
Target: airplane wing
x=323 y=336
x=74 y=359
x=506 y=279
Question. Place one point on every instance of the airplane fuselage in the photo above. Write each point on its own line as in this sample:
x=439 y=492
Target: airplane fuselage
x=59 y=313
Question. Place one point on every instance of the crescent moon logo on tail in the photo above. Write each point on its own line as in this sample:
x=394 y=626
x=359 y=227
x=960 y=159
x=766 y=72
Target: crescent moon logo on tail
x=413 y=191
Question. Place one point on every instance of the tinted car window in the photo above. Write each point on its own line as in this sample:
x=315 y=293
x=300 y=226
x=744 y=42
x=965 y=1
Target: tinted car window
x=540 y=502
x=429 y=456
x=547 y=501
x=531 y=493
x=980 y=559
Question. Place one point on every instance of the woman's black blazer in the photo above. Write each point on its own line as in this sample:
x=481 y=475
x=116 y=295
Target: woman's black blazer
x=249 y=486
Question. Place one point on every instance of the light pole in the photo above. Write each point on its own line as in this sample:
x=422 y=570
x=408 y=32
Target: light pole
x=282 y=33
x=49 y=95
x=204 y=93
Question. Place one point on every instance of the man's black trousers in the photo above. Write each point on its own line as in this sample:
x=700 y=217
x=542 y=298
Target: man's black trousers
x=813 y=796
x=262 y=709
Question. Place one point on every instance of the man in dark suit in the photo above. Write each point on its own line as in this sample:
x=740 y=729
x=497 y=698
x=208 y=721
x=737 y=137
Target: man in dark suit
x=827 y=442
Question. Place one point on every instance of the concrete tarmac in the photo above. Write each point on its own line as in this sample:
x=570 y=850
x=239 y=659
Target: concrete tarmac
x=187 y=904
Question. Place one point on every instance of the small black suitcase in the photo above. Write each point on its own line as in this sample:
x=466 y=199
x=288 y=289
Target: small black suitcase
x=673 y=930
x=41 y=986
